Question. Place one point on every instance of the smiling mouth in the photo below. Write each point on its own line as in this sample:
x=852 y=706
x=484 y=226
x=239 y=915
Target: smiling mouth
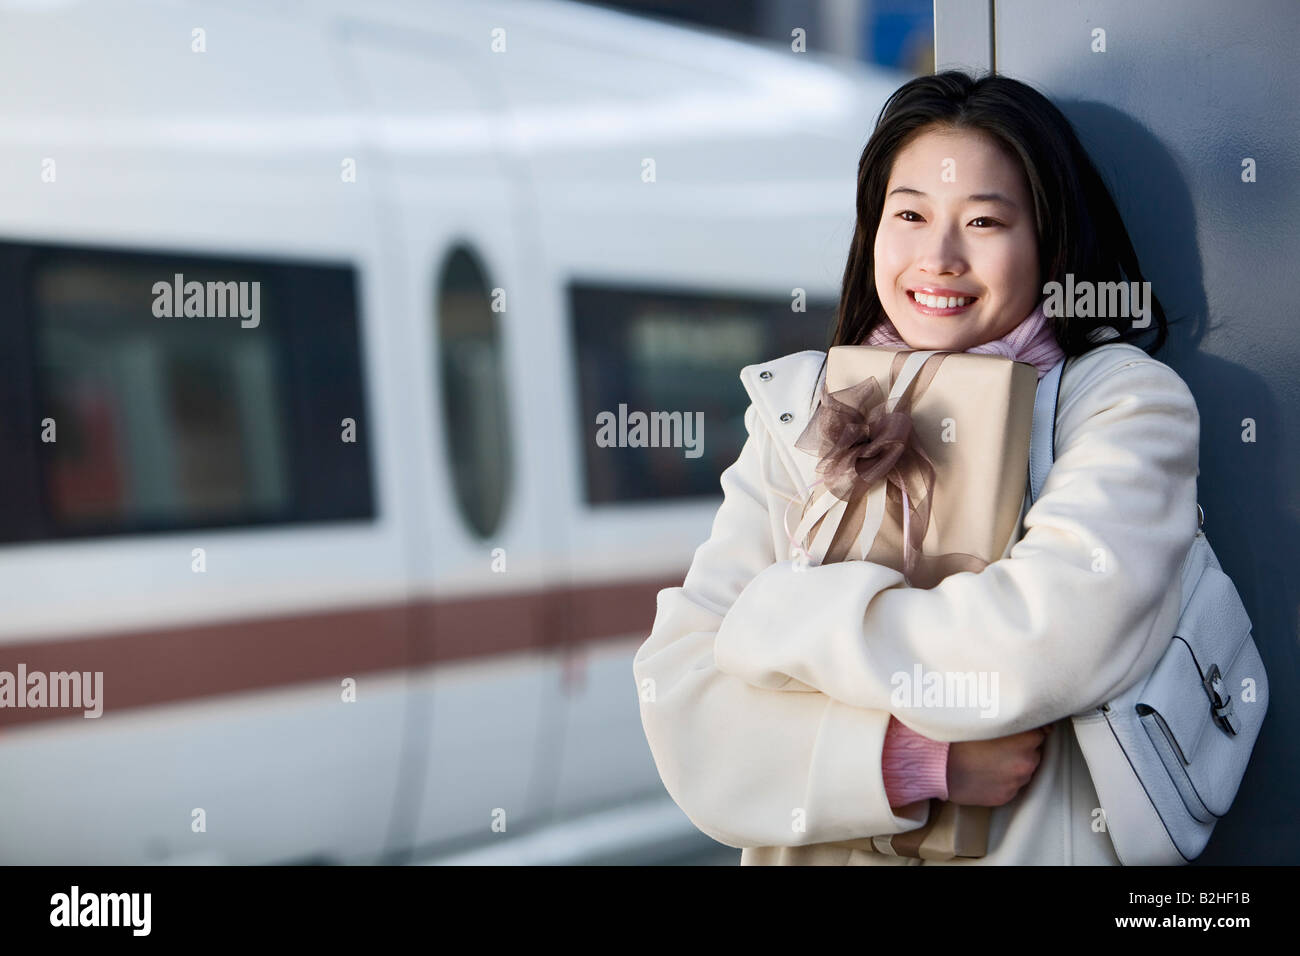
x=940 y=305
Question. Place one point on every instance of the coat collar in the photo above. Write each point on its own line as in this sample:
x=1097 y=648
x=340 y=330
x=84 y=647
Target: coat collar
x=784 y=393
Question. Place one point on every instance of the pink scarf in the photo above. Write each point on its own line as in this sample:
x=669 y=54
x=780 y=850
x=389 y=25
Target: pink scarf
x=1031 y=341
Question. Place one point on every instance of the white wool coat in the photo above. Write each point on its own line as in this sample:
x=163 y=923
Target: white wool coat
x=765 y=687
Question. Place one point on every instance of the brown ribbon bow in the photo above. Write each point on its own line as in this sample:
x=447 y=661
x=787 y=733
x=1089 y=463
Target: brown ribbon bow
x=861 y=443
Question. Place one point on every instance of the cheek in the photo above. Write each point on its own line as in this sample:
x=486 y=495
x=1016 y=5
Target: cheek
x=1028 y=267
x=1018 y=263
x=1004 y=269
x=888 y=260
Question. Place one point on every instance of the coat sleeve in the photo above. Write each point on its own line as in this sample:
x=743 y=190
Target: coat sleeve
x=1084 y=604
x=751 y=766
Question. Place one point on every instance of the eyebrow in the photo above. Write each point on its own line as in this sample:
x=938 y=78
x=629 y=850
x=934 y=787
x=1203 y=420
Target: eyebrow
x=977 y=197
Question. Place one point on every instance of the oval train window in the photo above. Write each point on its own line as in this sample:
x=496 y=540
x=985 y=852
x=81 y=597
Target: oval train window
x=473 y=391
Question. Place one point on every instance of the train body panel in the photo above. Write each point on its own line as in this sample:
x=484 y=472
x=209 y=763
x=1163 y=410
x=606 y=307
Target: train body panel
x=342 y=641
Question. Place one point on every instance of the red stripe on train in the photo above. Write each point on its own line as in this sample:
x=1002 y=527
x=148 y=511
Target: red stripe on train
x=174 y=664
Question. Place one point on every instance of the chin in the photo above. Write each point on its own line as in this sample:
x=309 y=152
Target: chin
x=927 y=340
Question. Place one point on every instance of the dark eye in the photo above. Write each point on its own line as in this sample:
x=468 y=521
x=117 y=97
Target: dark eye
x=908 y=212
x=986 y=219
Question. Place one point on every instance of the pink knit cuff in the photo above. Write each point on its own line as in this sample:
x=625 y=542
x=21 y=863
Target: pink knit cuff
x=914 y=766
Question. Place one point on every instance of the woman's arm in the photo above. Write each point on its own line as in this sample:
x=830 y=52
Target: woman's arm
x=751 y=766
x=1083 y=606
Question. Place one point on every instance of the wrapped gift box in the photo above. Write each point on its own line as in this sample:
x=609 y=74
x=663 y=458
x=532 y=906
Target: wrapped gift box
x=934 y=444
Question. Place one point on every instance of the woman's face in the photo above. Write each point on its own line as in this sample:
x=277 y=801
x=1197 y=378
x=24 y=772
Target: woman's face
x=958 y=222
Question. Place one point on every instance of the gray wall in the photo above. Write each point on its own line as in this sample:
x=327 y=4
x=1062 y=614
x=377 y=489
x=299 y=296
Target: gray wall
x=1185 y=90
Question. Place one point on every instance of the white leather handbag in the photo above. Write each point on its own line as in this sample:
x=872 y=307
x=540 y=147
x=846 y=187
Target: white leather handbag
x=1167 y=755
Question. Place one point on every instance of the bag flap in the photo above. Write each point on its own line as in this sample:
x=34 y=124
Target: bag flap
x=1213 y=633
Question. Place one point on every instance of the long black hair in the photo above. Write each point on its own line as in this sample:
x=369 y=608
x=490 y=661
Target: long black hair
x=1079 y=229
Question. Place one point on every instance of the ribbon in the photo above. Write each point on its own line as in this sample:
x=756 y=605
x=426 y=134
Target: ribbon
x=864 y=436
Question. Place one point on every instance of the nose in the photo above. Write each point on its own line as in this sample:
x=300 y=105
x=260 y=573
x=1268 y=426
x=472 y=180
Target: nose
x=941 y=252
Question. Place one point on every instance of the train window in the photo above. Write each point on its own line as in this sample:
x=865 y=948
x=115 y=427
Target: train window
x=165 y=392
x=474 y=405
x=660 y=396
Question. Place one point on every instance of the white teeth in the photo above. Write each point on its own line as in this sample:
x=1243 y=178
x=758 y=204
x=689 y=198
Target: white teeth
x=940 y=302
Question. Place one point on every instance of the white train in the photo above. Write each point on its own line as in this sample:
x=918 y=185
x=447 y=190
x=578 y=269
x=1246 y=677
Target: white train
x=358 y=577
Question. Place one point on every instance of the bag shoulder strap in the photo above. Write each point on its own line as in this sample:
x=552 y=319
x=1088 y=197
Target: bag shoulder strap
x=1042 y=452
x=1042 y=434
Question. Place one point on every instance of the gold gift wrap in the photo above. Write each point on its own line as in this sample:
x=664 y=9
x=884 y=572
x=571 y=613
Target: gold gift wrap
x=957 y=484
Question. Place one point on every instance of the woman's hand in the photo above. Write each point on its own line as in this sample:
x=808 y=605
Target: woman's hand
x=989 y=773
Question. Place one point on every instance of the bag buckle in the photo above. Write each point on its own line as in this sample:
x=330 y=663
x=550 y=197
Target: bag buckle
x=1220 y=701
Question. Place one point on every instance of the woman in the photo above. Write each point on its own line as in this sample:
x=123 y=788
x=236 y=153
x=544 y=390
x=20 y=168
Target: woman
x=765 y=685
